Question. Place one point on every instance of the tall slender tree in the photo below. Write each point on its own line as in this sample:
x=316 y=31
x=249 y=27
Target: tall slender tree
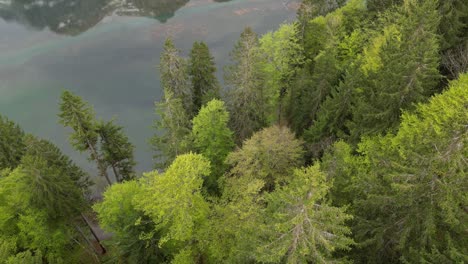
x=79 y=116
x=173 y=131
x=174 y=72
x=202 y=70
x=117 y=151
x=246 y=98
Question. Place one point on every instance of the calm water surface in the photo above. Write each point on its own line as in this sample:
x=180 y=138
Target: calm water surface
x=107 y=51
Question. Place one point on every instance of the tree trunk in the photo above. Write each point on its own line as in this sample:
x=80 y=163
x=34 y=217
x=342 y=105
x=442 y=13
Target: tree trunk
x=103 y=249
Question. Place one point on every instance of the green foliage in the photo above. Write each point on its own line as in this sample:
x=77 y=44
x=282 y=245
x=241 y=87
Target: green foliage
x=304 y=227
x=202 y=71
x=117 y=151
x=400 y=68
x=176 y=108
x=117 y=215
x=270 y=155
x=213 y=139
x=173 y=200
x=454 y=22
x=283 y=55
x=107 y=145
x=235 y=222
x=38 y=206
x=246 y=96
x=80 y=117
x=174 y=72
x=11 y=144
x=173 y=127
x=55 y=158
x=417 y=180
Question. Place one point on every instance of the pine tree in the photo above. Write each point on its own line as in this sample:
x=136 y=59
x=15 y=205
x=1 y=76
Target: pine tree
x=416 y=185
x=55 y=158
x=117 y=151
x=174 y=72
x=304 y=228
x=12 y=146
x=202 y=70
x=400 y=68
x=246 y=98
x=213 y=139
x=80 y=117
x=173 y=131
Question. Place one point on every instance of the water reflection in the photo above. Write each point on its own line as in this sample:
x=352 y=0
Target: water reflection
x=72 y=17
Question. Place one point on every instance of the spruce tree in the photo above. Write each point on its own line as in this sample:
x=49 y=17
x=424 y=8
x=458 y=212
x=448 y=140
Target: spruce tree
x=246 y=96
x=304 y=228
x=174 y=72
x=399 y=68
x=416 y=183
x=12 y=146
x=80 y=117
x=117 y=151
x=202 y=70
x=173 y=131
x=106 y=143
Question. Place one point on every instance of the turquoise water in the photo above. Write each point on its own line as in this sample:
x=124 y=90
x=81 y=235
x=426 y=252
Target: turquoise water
x=107 y=52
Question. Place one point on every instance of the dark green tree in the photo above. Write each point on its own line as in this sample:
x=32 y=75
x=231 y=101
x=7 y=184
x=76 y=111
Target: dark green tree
x=12 y=146
x=399 y=68
x=416 y=183
x=174 y=72
x=246 y=96
x=173 y=131
x=80 y=117
x=117 y=151
x=202 y=70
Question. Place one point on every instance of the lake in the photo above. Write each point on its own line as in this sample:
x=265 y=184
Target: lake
x=107 y=52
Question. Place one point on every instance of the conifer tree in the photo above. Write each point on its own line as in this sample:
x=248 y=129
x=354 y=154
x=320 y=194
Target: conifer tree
x=202 y=70
x=304 y=228
x=213 y=139
x=117 y=151
x=246 y=96
x=39 y=205
x=12 y=146
x=416 y=185
x=173 y=131
x=400 y=68
x=174 y=72
x=80 y=117
x=55 y=158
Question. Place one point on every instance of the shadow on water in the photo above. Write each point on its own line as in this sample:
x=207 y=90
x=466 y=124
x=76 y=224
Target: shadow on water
x=73 y=17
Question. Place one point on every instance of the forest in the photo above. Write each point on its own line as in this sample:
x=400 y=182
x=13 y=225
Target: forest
x=339 y=138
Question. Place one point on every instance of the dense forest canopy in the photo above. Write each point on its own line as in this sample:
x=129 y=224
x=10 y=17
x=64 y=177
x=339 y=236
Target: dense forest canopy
x=339 y=138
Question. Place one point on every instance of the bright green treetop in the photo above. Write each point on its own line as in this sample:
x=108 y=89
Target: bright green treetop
x=212 y=138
